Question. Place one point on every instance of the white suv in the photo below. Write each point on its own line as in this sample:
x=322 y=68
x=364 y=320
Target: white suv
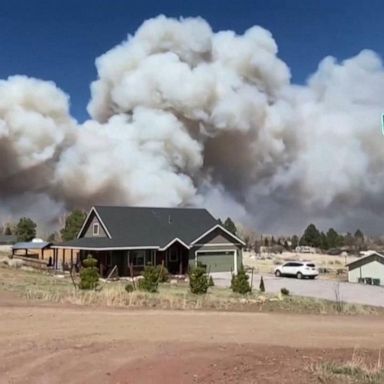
x=299 y=269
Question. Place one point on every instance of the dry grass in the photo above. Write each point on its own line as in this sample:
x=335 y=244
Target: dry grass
x=43 y=286
x=357 y=370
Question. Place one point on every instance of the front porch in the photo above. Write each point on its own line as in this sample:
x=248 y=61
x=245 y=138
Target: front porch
x=133 y=261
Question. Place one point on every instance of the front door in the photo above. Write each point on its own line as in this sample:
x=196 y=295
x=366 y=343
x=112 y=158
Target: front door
x=173 y=259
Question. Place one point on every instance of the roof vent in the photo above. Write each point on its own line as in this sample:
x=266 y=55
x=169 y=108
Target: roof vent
x=169 y=219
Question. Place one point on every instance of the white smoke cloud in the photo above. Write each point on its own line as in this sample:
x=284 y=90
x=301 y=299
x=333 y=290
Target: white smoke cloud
x=181 y=115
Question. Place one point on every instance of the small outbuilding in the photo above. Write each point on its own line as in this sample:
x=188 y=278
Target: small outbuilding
x=37 y=248
x=368 y=269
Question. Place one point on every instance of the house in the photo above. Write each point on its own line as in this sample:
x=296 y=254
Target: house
x=132 y=237
x=368 y=269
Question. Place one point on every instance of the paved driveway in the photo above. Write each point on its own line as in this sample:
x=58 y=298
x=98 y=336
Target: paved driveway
x=321 y=289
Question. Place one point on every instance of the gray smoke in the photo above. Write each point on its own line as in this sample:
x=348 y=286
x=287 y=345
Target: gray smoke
x=184 y=116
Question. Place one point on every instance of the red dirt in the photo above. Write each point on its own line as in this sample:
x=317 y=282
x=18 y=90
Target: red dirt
x=60 y=344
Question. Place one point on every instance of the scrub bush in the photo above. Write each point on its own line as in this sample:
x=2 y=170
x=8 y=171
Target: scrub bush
x=284 y=291
x=129 y=288
x=163 y=274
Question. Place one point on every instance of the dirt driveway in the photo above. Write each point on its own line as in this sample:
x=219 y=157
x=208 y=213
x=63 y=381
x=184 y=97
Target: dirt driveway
x=320 y=289
x=58 y=344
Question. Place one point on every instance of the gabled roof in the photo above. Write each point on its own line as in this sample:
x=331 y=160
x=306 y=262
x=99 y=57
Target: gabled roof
x=374 y=256
x=147 y=227
x=230 y=234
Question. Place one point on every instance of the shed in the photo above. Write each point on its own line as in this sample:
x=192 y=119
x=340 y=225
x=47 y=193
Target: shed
x=39 y=246
x=368 y=269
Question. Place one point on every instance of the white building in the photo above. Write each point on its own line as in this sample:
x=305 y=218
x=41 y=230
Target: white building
x=368 y=267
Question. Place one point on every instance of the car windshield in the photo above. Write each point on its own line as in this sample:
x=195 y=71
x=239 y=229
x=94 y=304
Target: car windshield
x=311 y=265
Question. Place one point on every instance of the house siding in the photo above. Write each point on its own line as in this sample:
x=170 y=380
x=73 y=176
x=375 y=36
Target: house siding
x=88 y=231
x=372 y=269
x=217 y=236
x=217 y=241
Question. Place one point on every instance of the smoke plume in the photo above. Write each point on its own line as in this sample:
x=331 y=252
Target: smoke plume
x=183 y=116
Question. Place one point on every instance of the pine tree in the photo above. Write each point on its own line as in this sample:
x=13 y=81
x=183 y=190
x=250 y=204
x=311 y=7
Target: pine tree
x=311 y=237
x=324 y=241
x=262 y=286
x=230 y=226
x=89 y=275
x=294 y=241
x=25 y=229
x=239 y=282
x=8 y=231
x=334 y=240
x=73 y=224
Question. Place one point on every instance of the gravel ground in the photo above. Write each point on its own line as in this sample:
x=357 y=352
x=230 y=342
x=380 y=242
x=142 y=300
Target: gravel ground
x=321 y=289
x=42 y=344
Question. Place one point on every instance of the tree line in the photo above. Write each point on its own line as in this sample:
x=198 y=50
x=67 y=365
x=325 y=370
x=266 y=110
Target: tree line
x=26 y=229
x=331 y=239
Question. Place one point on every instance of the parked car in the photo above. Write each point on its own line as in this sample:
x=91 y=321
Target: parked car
x=300 y=269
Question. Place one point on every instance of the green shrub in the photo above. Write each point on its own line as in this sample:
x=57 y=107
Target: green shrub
x=262 y=286
x=198 y=281
x=163 y=274
x=211 y=283
x=239 y=282
x=129 y=288
x=150 y=280
x=284 y=291
x=89 y=275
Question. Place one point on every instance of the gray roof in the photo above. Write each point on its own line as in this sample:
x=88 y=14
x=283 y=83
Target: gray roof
x=147 y=227
x=31 y=245
x=374 y=256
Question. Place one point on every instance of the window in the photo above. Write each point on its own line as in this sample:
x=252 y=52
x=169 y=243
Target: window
x=96 y=229
x=288 y=265
x=173 y=255
x=140 y=258
x=137 y=258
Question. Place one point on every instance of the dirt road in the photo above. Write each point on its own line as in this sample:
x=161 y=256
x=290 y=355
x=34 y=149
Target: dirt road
x=45 y=344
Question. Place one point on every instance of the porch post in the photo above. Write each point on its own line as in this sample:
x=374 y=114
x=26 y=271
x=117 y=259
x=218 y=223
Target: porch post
x=54 y=258
x=235 y=261
x=180 y=263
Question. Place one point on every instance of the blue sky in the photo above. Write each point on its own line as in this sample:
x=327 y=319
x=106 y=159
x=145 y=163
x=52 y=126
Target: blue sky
x=59 y=40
